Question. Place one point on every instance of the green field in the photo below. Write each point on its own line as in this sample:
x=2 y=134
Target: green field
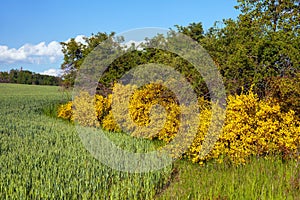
x=42 y=157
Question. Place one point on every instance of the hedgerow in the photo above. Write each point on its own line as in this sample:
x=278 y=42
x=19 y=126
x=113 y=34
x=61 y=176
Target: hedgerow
x=252 y=127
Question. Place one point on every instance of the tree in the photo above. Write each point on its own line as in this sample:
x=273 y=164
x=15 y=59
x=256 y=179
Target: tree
x=274 y=15
x=193 y=30
x=75 y=52
x=4 y=77
x=262 y=42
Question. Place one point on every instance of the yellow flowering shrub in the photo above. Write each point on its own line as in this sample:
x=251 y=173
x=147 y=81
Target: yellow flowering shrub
x=84 y=112
x=85 y=109
x=65 y=111
x=109 y=123
x=102 y=106
x=136 y=112
x=252 y=127
x=142 y=110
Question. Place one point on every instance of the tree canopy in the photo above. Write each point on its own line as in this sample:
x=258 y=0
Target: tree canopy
x=259 y=47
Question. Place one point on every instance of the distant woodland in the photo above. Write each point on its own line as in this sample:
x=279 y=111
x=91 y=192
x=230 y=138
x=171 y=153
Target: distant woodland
x=28 y=77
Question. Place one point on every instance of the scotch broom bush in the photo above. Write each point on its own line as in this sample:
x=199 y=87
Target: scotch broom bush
x=252 y=127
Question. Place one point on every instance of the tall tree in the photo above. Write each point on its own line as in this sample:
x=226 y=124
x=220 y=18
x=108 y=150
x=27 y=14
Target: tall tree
x=193 y=30
x=262 y=42
x=75 y=52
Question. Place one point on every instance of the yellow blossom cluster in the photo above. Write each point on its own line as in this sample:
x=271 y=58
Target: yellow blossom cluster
x=65 y=111
x=136 y=111
x=85 y=109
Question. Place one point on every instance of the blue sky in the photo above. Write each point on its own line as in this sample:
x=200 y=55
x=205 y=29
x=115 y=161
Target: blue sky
x=30 y=31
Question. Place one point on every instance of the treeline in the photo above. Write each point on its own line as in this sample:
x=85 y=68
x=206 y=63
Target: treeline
x=258 y=50
x=28 y=77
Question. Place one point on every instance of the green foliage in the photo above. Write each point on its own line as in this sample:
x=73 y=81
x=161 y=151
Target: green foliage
x=193 y=30
x=287 y=92
x=136 y=57
x=262 y=42
x=75 y=52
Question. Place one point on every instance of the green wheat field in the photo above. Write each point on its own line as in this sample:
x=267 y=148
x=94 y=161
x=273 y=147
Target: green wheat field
x=42 y=157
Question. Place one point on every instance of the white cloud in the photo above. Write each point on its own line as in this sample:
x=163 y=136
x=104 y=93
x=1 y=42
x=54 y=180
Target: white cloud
x=10 y=55
x=52 y=72
x=41 y=53
x=28 y=53
x=79 y=39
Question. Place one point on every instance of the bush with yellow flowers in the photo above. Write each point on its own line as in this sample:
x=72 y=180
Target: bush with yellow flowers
x=139 y=116
x=252 y=127
x=85 y=109
x=65 y=111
